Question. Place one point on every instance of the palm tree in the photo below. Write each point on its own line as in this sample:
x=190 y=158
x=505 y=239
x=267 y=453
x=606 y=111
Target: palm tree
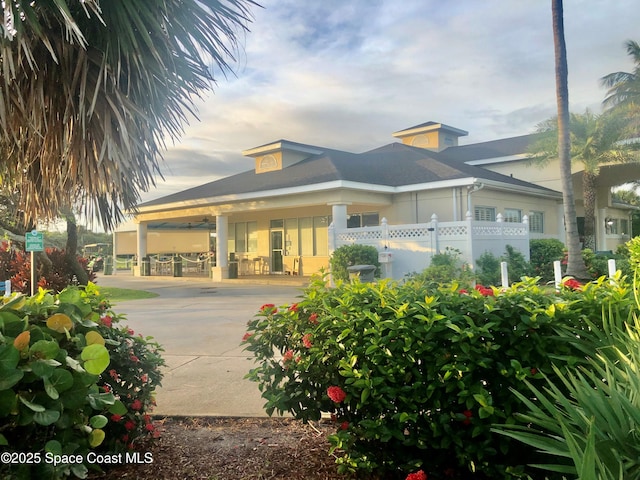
x=575 y=262
x=90 y=91
x=596 y=140
x=624 y=87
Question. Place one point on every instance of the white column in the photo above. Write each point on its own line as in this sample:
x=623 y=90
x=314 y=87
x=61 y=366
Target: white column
x=222 y=238
x=339 y=213
x=114 y=249
x=221 y=270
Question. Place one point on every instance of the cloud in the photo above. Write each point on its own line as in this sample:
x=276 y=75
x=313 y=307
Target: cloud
x=347 y=74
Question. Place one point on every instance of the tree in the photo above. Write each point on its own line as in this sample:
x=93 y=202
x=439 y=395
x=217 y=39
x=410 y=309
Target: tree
x=624 y=87
x=575 y=263
x=90 y=91
x=596 y=140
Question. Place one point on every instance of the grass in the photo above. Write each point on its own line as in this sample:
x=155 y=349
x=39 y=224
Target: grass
x=115 y=294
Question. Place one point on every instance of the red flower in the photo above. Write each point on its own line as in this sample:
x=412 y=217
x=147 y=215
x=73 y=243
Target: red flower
x=116 y=418
x=313 y=318
x=306 y=340
x=106 y=321
x=486 y=291
x=130 y=425
x=344 y=425
x=419 y=475
x=136 y=405
x=288 y=356
x=106 y=388
x=534 y=371
x=134 y=359
x=130 y=332
x=572 y=283
x=246 y=337
x=462 y=291
x=269 y=308
x=113 y=374
x=293 y=308
x=469 y=415
x=125 y=438
x=150 y=427
x=336 y=394
x=144 y=378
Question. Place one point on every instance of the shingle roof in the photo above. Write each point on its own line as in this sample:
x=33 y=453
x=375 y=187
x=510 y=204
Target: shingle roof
x=392 y=165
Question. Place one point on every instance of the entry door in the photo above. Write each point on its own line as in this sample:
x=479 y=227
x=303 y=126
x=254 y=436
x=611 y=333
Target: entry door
x=277 y=251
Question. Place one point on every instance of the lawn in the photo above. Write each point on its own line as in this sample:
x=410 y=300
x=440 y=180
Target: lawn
x=115 y=294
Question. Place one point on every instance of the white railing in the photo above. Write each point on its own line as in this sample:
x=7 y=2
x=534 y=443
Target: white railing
x=410 y=247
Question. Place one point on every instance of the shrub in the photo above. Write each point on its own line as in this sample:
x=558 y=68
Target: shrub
x=590 y=415
x=349 y=255
x=488 y=269
x=15 y=265
x=416 y=378
x=446 y=267
x=542 y=254
x=69 y=378
x=597 y=263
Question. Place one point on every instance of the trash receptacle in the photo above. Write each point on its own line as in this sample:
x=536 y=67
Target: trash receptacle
x=108 y=266
x=365 y=273
x=145 y=267
x=233 y=266
x=177 y=266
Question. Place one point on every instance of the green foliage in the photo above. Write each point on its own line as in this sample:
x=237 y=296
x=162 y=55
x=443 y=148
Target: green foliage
x=590 y=415
x=597 y=263
x=446 y=267
x=71 y=380
x=15 y=265
x=489 y=267
x=542 y=254
x=416 y=377
x=349 y=255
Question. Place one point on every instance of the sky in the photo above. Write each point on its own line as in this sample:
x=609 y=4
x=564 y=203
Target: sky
x=346 y=74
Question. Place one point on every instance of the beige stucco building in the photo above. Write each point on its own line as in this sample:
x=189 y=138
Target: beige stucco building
x=275 y=217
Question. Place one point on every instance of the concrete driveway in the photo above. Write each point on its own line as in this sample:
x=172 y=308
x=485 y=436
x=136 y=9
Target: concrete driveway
x=200 y=325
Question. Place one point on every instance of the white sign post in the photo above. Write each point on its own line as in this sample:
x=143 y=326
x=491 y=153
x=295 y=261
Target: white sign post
x=34 y=243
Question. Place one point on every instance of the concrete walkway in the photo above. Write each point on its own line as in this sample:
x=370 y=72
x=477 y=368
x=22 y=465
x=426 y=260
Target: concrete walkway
x=200 y=325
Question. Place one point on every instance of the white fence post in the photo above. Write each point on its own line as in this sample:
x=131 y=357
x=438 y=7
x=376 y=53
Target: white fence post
x=434 y=225
x=557 y=274
x=504 y=274
x=611 y=264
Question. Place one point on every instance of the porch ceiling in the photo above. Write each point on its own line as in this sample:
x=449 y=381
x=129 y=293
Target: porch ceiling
x=178 y=225
x=618 y=174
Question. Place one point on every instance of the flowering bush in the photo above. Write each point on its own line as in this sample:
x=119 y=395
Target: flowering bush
x=15 y=265
x=71 y=380
x=416 y=378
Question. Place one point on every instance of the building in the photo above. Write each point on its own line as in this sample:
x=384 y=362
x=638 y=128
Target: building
x=275 y=217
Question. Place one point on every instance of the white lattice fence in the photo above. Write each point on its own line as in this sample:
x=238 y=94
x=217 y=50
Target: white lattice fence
x=413 y=245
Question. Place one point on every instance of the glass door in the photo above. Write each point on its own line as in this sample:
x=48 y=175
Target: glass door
x=277 y=251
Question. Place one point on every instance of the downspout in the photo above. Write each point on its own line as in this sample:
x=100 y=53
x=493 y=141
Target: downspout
x=476 y=187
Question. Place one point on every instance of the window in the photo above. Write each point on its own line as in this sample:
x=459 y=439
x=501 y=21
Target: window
x=536 y=222
x=243 y=237
x=367 y=219
x=485 y=214
x=291 y=242
x=321 y=235
x=624 y=227
x=612 y=226
x=513 y=215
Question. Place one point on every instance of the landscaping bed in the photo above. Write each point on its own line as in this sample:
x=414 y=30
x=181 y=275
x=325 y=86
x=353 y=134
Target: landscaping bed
x=219 y=448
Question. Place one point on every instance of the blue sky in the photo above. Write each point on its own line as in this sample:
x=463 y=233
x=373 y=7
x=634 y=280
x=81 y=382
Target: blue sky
x=346 y=74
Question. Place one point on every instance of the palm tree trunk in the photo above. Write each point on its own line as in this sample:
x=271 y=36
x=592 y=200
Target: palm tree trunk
x=71 y=256
x=575 y=263
x=589 y=194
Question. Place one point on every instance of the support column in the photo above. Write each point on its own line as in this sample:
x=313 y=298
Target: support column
x=114 y=249
x=339 y=214
x=221 y=270
x=141 y=247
